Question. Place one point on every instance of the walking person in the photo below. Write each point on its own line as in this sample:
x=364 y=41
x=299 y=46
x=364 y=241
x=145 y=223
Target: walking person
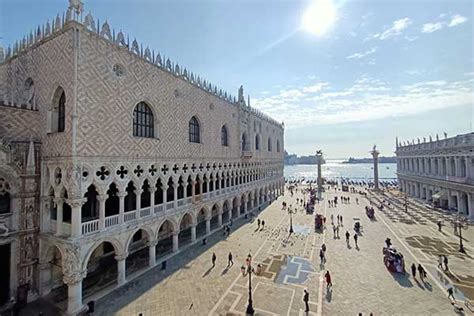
x=413 y=270
x=439 y=225
x=306 y=301
x=347 y=237
x=421 y=271
x=230 y=262
x=258 y=223
x=451 y=294
x=332 y=219
x=355 y=239
x=440 y=261
x=445 y=260
x=263 y=224
x=214 y=257
x=328 y=280
x=341 y=221
x=321 y=256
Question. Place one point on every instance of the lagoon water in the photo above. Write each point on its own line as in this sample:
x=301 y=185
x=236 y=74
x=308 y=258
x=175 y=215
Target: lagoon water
x=336 y=169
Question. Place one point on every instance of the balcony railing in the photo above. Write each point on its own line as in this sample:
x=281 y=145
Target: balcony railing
x=111 y=220
x=158 y=208
x=114 y=220
x=90 y=227
x=145 y=212
x=129 y=216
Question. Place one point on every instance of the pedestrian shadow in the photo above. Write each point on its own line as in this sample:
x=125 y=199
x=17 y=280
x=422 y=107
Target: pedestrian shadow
x=349 y=246
x=207 y=272
x=329 y=294
x=419 y=284
x=357 y=248
x=225 y=270
x=428 y=286
x=402 y=279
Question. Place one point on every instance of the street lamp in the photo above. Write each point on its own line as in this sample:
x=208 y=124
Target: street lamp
x=406 y=203
x=460 y=222
x=290 y=211
x=249 y=269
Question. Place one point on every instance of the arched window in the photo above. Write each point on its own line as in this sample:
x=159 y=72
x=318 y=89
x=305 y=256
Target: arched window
x=278 y=146
x=58 y=111
x=257 y=142
x=224 y=140
x=244 y=142
x=5 y=199
x=143 y=121
x=269 y=144
x=194 y=134
x=62 y=112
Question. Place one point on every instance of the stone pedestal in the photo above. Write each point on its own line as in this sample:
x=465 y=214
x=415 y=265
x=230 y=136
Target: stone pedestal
x=193 y=233
x=152 y=254
x=121 y=268
x=175 y=242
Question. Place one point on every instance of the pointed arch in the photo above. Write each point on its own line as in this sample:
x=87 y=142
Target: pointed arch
x=143 y=121
x=194 y=130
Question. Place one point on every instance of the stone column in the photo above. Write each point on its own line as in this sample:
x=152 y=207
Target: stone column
x=175 y=188
x=59 y=216
x=138 y=194
x=219 y=219
x=121 y=268
x=74 y=292
x=44 y=278
x=175 y=241
x=101 y=198
x=208 y=226
x=152 y=253
x=470 y=206
x=76 y=216
x=121 y=196
x=230 y=214
x=200 y=187
x=245 y=206
x=152 y=197
x=164 y=188
x=193 y=233
x=457 y=166
x=375 y=156
x=320 y=161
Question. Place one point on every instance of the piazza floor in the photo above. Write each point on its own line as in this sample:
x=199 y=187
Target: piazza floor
x=361 y=283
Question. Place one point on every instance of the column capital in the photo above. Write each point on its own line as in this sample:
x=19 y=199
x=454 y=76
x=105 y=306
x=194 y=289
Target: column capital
x=102 y=197
x=73 y=277
x=153 y=243
x=58 y=200
x=138 y=191
x=152 y=189
x=121 y=256
x=76 y=202
x=122 y=194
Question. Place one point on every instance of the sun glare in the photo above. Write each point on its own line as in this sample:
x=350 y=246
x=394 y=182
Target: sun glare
x=319 y=17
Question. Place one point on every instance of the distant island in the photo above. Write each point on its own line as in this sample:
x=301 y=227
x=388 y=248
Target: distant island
x=370 y=160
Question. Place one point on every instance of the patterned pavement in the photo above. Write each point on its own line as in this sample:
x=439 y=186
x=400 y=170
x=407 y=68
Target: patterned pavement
x=290 y=264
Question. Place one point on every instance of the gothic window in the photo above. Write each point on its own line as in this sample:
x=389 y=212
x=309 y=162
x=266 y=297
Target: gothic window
x=269 y=145
x=58 y=111
x=5 y=200
x=257 y=142
x=278 y=145
x=143 y=121
x=194 y=133
x=244 y=142
x=61 y=112
x=224 y=140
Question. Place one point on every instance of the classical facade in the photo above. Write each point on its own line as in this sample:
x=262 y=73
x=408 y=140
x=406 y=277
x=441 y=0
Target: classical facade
x=113 y=158
x=439 y=171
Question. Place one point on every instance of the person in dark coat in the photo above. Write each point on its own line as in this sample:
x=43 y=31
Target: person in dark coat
x=413 y=270
x=306 y=300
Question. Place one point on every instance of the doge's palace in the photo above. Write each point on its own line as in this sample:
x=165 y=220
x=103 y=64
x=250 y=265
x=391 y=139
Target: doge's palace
x=113 y=159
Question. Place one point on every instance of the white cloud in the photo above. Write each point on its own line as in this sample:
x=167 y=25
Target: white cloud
x=315 y=88
x=431 y=27
x=456 y=20
x=366 y=99
x=397 y=27
x=362 y=55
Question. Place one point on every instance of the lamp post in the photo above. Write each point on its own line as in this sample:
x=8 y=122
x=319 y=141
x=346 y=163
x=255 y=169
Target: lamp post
x=406 y=203
x=249 y=269
x=460 y=222
x=290 y=211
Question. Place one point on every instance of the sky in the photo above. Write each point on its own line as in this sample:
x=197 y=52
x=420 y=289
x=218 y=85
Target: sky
x=341 y=75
